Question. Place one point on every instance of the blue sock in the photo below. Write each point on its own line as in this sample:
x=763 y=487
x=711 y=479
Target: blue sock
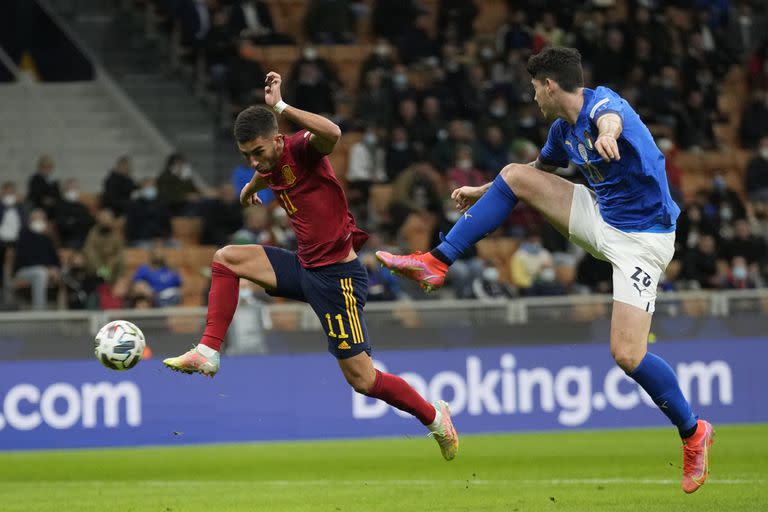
x=485 y=216
x=658 y=380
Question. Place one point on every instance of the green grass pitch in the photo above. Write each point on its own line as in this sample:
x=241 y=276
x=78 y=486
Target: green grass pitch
x=590 y=471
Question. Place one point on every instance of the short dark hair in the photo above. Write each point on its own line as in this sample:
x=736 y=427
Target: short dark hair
x=254 y=122
x=562 y=65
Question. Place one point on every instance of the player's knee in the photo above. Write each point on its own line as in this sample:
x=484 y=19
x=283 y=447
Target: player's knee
x=515 y=176
x=226 y=256
x=360 y=383
x=627 y=358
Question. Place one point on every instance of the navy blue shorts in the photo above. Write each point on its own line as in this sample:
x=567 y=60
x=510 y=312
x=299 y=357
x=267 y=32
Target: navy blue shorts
x=337 y=294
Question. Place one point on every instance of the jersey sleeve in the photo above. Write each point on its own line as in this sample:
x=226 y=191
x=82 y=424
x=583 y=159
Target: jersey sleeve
x=604 y=102
x=553 y=152
x=304 y=151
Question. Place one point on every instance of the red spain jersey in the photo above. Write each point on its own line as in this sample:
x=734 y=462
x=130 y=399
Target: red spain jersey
x=306 y=187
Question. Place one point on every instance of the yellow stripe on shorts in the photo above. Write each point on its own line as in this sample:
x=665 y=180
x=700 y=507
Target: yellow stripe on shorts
x=354 y=319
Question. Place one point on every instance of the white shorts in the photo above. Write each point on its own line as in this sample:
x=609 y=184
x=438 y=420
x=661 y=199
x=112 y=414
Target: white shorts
x=638 y=259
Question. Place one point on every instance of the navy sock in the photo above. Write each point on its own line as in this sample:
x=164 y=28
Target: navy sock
x=658 y=380
x=484 y=217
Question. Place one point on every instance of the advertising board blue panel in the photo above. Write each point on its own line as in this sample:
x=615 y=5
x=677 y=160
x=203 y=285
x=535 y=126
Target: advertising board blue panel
x=67 y=404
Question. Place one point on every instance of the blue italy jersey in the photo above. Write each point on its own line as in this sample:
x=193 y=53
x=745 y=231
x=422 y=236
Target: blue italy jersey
x=632 y=193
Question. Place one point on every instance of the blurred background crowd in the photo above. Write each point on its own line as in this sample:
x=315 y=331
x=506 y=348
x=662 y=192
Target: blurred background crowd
x=430 y=95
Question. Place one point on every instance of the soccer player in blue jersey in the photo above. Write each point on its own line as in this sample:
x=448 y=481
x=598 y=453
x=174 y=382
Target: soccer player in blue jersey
x=625 y=217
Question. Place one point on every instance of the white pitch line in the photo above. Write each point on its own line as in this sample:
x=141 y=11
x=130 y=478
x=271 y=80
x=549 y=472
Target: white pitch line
x=413 y=482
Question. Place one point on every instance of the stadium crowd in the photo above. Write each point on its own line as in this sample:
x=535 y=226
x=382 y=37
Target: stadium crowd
x=436 y=107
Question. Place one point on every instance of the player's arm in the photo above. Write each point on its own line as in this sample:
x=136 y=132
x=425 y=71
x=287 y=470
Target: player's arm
x=538 y=164
x=325 y=133
x=609 y=127
x=248 y=195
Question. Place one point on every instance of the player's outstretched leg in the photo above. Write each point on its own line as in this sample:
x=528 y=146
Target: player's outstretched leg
x=365 y=379
x=222 y=302
x=482 y=218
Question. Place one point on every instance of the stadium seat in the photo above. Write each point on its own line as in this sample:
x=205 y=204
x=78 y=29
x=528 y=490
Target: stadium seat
x=187 y=230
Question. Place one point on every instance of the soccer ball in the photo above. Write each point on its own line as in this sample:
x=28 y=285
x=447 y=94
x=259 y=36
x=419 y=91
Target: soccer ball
x=119 y=345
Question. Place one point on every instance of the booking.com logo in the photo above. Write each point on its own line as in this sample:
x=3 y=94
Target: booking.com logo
x=62 y=405
x=566 y=391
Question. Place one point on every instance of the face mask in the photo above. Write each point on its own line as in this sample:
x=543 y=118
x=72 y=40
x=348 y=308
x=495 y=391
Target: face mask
x=527 y=122
x=740 y=273
x=149 y=193
x=370 y=139
x=9 y=200
x=464 y=164
x=486 y=53
x=400 y=145
x=37 y=226
x=185 y=171
x=498 y=111
x=547 y=274
x=668 y=83
x=310 y=53
x=491 y=274
x=764 y=153
x=382 y=50
x=726 y=213
x=72 y=196
x=400 y=81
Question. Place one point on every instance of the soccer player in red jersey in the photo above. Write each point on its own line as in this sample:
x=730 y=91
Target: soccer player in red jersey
x=325 y=272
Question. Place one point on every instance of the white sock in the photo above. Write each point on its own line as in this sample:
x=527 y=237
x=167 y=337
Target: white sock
x=206 y=350
x=435 y=425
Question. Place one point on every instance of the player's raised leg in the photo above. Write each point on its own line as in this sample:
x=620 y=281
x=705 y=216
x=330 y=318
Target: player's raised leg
x=367 y=380
x=485 y=208
x=229 y=264
x=630 y=326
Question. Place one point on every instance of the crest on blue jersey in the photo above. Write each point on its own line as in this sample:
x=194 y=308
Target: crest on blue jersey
x=588 y=140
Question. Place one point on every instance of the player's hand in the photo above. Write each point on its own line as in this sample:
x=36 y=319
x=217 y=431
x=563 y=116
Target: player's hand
x=607 y=148
x=465 y=197
x=248 y=198
x=272 y=95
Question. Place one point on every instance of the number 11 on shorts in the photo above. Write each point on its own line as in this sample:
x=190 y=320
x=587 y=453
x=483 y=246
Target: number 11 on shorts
x=342 y=333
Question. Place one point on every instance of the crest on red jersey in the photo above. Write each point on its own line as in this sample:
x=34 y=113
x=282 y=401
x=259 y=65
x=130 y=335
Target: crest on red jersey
x=288 y=175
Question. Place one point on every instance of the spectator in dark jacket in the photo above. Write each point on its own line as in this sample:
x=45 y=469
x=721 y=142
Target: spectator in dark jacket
x=43 y=189
x=223 y=216
x=176 y=186
x=701 y=263
x=756 y=184
x=147 y=221
x=119 y=187
x=36 y=259
x=73 y=220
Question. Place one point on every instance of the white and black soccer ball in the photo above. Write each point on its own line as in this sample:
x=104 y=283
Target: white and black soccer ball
x=119 y=345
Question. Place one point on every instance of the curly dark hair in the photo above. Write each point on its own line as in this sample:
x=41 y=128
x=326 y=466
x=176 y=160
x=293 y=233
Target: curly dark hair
x=254 y=122
x=562 y=65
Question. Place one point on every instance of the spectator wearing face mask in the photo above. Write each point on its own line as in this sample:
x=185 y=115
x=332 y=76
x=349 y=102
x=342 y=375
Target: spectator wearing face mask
x=529 y=260
x=80 y=284
x=756 y=181
x=743 y=276
x=147 y=220
x=73 y=220
x=400 y=154
x=13 y=216
x=727 y=205
x=379 y=60
x=156 y=282
x=176 y=186
x=489 y=286
x=103 y=249
x=367 y=165
x=464 y=173
x=36 y=259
